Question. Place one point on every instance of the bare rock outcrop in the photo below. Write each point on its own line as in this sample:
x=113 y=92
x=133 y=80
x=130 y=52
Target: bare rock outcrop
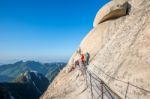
x=111 y=10
x=119 y=48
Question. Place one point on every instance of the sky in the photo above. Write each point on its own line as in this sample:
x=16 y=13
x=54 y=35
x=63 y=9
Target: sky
x=44 y=30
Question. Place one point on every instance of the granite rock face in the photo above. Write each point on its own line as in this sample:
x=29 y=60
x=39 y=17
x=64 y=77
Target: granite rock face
x=119 y=47
x=111 y=10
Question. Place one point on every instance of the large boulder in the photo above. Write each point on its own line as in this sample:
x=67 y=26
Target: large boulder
x=111 y=10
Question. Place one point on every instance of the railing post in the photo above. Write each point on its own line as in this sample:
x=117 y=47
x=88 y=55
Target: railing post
x=127 y=90
x=102 y=90
x=91 y=87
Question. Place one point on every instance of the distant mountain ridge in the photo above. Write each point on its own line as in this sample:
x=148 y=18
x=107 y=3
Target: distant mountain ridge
x=9 y=72
x=28 y=85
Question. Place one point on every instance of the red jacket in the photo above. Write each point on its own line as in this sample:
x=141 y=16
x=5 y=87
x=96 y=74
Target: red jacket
x=82 y=57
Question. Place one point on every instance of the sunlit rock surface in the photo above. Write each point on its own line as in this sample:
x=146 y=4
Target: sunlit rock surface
x=119 y=47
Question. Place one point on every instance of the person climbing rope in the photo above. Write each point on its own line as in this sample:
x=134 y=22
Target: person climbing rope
x=79 y=51
x=83 y=59
x=82 y=62
x=72 y=68
x=77 y=63
x=87 y=57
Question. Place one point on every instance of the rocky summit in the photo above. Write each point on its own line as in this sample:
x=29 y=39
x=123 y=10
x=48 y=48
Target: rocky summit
x=119 y=48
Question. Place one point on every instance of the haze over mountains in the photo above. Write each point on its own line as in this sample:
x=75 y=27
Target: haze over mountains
x=27 y=80
x=28 y=85
x=9 y=72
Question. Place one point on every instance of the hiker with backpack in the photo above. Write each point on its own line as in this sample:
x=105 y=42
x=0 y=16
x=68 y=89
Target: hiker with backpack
x=77 y=62
x=87 y=58
x=82 y=61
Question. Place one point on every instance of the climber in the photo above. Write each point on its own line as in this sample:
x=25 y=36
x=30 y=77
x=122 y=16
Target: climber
x=87 y=57
x=79 y=51
x=82 y=59
x=77 y=63
x=72 y=68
